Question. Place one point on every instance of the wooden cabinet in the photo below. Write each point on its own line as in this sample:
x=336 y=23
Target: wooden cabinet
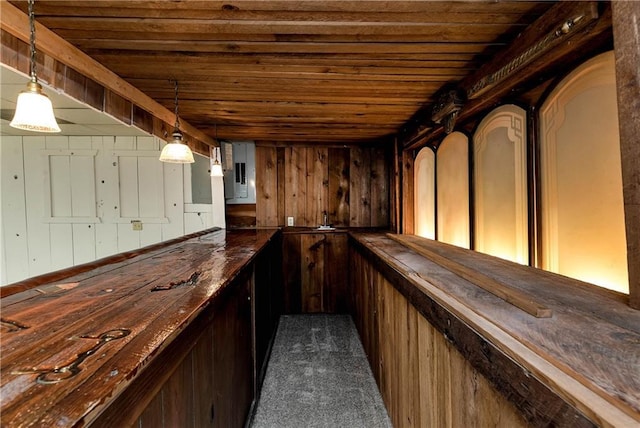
x=315 y=270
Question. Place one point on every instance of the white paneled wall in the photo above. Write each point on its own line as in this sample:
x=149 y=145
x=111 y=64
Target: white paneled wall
x=71 y=200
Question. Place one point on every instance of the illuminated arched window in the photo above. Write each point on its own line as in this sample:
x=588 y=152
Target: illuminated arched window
x=425 y=193
x=500 y=185
x=452 y=173
x=583 y=233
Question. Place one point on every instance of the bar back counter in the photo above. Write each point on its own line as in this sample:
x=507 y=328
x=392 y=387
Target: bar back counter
x=177 y=334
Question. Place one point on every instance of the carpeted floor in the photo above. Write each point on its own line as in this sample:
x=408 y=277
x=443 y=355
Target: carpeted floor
x=319 y=376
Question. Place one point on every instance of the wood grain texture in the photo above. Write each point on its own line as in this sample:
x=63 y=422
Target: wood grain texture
x=266 y=186
x=281 y=54
x=336 y=286
x=570 y=369
x=523 y=301
x=81 y=66
x=312 y=272
x=312 y=181
x=240 y=215
x=315 y=271
x=360 y=188
x=295 y=190
x=338 y=197
x=317 y=185
x=627 y=51
x=408 y=221
x=120 y=296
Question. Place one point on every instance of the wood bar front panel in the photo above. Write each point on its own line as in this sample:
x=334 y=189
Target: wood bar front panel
x=315 y=271
x=424 y=380
x=349 y=184
x=183 y=350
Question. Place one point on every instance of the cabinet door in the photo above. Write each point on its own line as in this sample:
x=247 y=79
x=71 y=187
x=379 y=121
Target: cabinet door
x=313 y=270
x=336 y=286
x=232 y=357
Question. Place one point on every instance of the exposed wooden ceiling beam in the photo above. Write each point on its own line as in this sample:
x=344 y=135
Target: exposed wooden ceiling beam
x=16 y=23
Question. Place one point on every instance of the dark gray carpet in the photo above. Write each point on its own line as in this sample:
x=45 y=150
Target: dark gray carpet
x=319 y=376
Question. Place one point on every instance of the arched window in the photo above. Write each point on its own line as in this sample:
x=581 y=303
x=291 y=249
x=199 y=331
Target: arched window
x=582 y=210
x=453 y=190
x=425 y=193
x=500 y=185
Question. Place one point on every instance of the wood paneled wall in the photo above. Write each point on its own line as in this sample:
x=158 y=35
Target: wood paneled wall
x=315 y=272
x=424 y=380
x=350 y=184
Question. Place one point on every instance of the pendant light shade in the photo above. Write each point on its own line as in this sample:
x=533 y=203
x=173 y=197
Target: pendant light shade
x=34 y=111
x=176 y=151
x=216 y=166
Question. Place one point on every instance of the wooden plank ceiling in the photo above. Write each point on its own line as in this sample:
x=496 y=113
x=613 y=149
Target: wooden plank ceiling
x=334 y=71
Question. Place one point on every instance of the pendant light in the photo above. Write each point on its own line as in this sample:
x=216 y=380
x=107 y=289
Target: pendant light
x=176 y=151
x=34 y=111
x=216 y=166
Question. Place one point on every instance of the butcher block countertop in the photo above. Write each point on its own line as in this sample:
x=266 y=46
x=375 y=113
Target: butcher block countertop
x=69 y=346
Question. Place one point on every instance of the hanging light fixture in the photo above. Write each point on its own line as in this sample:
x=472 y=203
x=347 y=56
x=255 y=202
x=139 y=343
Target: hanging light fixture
x=216 y=166
x=176 y=151
x=34 y=111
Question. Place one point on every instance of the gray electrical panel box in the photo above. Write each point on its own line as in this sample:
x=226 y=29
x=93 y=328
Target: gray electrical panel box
x=239 y=172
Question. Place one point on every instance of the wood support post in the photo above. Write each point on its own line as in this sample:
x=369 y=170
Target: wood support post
x=626 y=15
x=407 y=192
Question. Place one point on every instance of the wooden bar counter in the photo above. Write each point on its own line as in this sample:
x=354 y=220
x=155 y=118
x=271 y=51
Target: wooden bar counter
x=448 y=352
x=102 y=345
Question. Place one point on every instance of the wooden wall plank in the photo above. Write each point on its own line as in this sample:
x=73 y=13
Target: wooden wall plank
x=281 y=185
x=153 y=414
x=380 y=202
x=627 y=51
x=291 y=272
x=60 y=185
x=107 y=199
x=336 y=285
x=38 y=238
x=312 y=272
x=202 y=379
x=314 y=180
x=83 y=187
x=338 y=196
x=423 y=379
x=266 y=186
x=317 y=185
x=150 y=188
x=129 y=186
x=177 y=395
x=407 y=193
x=360 y=187
x=83 y=243
x=296 y=184
x=15 y=251
x=233 y=371
x=173 y=202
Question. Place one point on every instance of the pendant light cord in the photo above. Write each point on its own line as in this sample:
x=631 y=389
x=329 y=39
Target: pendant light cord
x=175 y=100
x=32 y=42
